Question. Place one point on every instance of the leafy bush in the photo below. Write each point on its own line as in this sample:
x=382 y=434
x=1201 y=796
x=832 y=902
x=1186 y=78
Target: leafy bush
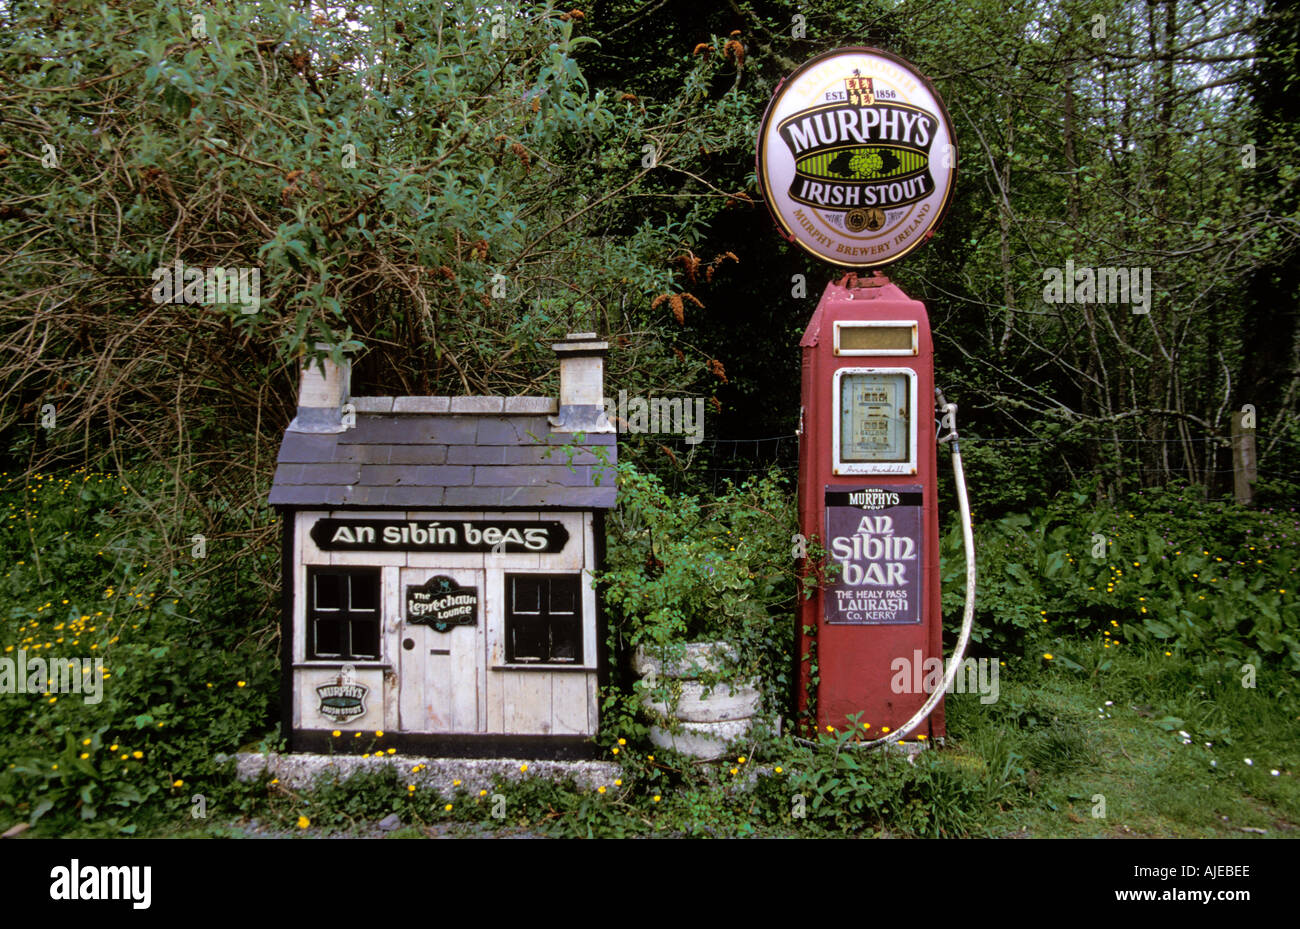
x=682 y=569
x=841 y=788
x=1208 y=578
x=172 y=691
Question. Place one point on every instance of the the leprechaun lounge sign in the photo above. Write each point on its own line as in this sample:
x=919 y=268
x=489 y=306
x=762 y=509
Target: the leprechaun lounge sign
x=441 y=603
x=856 y=157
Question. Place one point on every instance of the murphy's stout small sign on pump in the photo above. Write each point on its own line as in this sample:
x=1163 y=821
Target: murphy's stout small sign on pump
x=856 y=157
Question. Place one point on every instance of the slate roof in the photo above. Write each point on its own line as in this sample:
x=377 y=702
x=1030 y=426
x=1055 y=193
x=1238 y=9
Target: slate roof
x=467 y=460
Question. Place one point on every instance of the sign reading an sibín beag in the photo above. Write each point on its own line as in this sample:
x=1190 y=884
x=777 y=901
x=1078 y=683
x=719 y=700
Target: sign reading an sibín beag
x=455 y=535
x=856 y=157
x=874 y=537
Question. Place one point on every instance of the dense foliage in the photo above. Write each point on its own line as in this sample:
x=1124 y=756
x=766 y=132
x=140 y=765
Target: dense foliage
x=442 y=188
x=1212 y=581
x=177 y=683
x=684 y=569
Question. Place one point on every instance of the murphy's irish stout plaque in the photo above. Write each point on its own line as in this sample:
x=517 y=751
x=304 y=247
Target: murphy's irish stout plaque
x=856 y=157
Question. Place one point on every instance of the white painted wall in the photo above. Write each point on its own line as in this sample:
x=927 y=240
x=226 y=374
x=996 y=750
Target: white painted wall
x=465 y=691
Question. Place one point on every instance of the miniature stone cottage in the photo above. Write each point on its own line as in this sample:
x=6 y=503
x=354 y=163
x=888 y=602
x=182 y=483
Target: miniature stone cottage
x=437 y=566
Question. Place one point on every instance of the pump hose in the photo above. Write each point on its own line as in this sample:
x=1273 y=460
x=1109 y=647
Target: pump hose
x=968 y=541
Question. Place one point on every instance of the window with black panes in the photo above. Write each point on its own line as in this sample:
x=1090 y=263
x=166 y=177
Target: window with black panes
x=543 y=618
x=343 y=613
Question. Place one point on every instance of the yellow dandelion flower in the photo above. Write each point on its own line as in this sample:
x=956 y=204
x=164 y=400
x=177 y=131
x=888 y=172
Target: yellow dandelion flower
x=303 y=822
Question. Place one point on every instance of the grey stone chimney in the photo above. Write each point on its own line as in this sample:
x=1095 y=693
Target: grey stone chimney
x=582 y=384
x=322 y=392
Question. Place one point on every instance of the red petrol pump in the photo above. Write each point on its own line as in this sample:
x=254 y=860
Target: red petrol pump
x=857 y=161
x=867 y=488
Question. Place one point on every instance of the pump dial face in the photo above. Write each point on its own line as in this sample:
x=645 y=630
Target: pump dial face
x=874 y=418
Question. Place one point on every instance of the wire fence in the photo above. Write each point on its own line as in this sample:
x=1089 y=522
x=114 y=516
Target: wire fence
x=714 y=461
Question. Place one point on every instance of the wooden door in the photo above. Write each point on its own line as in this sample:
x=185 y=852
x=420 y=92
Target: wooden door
x=442 y=670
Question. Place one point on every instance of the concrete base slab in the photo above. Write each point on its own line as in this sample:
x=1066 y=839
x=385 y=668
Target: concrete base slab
x=300 y=771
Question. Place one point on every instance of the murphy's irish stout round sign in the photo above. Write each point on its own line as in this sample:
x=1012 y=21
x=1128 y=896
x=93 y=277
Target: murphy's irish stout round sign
x=856 y=157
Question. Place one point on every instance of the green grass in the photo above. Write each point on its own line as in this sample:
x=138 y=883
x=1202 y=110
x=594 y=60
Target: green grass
x=1073 y=747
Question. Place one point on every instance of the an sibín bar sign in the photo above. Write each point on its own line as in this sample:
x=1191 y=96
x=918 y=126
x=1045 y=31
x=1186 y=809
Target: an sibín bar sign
x=453 y=535
x=874 y=537
x=856 y=157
